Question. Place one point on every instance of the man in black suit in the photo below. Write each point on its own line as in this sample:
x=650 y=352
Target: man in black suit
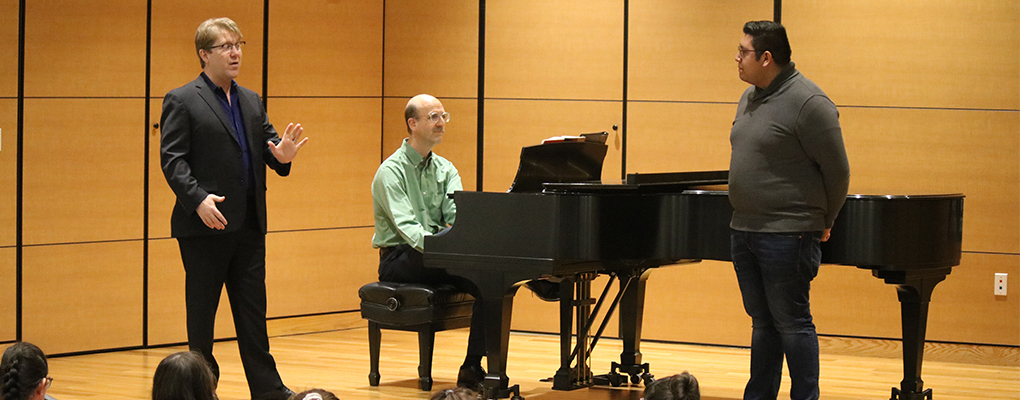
x=216 y=143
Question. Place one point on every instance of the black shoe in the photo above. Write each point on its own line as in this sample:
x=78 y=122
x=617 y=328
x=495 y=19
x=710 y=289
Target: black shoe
x=471 y=377
x=544 y=289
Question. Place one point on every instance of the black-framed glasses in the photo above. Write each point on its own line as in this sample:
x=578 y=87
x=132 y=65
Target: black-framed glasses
x=435 y=116
x=742 y=52
x=49 y=381
x=226 y=47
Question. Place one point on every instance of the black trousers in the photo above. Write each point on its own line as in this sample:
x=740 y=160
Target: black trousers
x=238 y=260
x=404 y=264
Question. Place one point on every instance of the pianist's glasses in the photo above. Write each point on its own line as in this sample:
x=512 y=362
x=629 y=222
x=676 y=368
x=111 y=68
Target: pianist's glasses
x=435 y=116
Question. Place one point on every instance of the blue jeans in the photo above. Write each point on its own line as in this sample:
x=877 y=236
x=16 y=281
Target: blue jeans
x=774 y=271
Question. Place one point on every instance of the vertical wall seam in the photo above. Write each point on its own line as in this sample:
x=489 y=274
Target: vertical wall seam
x=19 y=201
x=145 y=176
x=626 y=59
x=480 y=145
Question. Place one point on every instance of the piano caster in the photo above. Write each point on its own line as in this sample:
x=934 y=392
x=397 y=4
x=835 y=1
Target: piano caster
x=646 y=377
x=615 y=379
x=637 y=374
x=898 y=395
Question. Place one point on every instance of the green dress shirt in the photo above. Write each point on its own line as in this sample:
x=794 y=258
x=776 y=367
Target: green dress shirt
x=410 y=197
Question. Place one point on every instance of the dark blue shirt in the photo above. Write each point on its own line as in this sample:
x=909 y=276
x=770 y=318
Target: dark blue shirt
x=233 y=110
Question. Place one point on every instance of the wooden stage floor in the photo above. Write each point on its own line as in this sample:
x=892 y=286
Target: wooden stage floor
x=338 y=361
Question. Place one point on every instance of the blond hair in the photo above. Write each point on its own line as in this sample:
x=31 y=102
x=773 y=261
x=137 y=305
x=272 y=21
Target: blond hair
x=210 y=30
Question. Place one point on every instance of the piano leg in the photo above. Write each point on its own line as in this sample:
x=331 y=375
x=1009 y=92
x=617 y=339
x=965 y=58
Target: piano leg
x=631 y=315
x=914 y=288
x=498 y=307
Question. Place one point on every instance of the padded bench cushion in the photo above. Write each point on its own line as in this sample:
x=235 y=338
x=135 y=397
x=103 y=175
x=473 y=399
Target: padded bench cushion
x=402 y=304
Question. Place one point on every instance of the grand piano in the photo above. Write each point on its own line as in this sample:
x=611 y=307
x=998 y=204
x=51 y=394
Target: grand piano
x=577 y=227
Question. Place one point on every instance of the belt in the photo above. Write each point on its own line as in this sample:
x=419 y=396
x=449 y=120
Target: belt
x=383 y=251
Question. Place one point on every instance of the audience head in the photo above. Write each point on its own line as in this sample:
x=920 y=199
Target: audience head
x=23 y=373
x=682 y=386
x=183 y=376
x=314 y=394
x=460 y=393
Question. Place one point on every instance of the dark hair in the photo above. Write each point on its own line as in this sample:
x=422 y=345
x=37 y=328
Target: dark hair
x=183 y=376
x=682 y=386
x=22 y=368
x=324 y=394
x=771 y=37
x=460 y=393
x=411 y=111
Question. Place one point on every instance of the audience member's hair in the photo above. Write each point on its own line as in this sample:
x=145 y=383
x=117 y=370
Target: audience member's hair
x=183 y=376
x=22 y=369
x=682 y=386
x=460 y=393
x=314 y=394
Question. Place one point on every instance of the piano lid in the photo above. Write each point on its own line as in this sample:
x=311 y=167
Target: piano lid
x=558 y=162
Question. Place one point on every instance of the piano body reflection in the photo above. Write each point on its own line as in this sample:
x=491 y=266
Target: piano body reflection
x=576 y=230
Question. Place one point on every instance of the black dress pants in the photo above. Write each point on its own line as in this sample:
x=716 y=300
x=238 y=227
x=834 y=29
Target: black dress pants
x=404 y=264
x=238 y=260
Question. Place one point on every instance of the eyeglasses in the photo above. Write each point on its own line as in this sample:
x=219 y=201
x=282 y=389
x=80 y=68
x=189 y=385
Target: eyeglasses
x=435 y=116
x=49 y=381
x=742 y=52
x=226 y=47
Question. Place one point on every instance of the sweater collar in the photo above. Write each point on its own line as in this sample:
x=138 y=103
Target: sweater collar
x=787 y=73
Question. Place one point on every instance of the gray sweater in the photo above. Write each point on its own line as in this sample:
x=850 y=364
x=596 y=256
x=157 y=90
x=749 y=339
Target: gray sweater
x=788 y=167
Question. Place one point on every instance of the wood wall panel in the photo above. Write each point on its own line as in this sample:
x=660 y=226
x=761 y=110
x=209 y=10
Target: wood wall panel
x=696 y=303
x=168 y=318
x=161 y=198
x=671 y=137
x=558 y=49
x=513 y=124
x=82 y=297
x=8 y=294
x=8 y=164
x=956 y=313
x=899 y=151
x=432 y=47
x=330 y=182
x=325 y=48
x=85 y=48
x=914 y=53
x=684 y=50
x=965 y=308
x=319 y=271
x=174 y=60
x=460 y=142
x=83 y=167
x=9 y=52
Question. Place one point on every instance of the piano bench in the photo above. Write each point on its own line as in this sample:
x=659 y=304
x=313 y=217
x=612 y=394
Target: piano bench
x=415 y=307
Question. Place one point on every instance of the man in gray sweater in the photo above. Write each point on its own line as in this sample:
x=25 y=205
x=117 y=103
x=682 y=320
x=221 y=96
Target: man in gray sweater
x=788 y=179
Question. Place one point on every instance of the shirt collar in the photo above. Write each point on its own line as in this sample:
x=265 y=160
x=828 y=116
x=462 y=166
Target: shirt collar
x=412 y=155
x=788 y=71
x=233 y=84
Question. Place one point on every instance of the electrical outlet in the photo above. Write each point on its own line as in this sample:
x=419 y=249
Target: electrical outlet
x=1000 y=284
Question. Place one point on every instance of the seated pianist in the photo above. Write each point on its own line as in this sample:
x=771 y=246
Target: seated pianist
x=410 y=199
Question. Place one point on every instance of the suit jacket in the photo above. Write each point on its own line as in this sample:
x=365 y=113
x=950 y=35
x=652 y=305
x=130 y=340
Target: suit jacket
x=200 y=154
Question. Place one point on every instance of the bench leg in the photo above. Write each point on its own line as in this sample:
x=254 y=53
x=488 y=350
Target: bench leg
x=426 y=340
x=374 y=339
